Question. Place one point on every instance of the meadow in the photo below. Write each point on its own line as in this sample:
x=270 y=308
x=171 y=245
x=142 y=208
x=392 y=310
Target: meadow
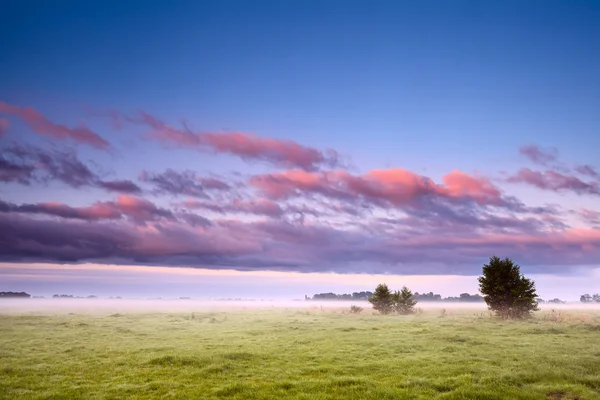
x=296 y=352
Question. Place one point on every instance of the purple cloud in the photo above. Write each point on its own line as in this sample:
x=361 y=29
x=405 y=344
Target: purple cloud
x=185 y=183
x=588 y=170
x=120 y=186
x=540 y=156
x=554 y=181
x=29 y=164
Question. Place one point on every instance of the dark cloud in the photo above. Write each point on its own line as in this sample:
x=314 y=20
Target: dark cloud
x=411 y=244
x=137 y=209
x=15 y=172
x=186 y=183
x=30 y=164
x=120 y=186
x=555 y=181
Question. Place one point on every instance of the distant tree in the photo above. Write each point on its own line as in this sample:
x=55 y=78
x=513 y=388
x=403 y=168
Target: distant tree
x=557 y=301
x=382 y=299
x=404 y=302
x=596 y=298
x=539 y=300
x=506 y=291
x=586 y=298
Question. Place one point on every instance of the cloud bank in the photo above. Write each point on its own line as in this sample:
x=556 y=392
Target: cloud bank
x=307 y=213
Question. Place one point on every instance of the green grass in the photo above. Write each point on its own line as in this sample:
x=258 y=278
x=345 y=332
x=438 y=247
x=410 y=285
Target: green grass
x=301 y=354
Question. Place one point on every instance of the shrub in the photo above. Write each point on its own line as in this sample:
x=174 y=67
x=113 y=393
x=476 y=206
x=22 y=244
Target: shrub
x=355 y=309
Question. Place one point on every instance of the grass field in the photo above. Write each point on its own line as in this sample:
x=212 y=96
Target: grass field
x=299 y=353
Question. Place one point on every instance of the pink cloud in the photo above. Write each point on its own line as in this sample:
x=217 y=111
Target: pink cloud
x=4 y=124
x=140 y=209
x=44 y=126
x=460 y=184
x=247 y=146
x=286 y=153
x=395 y=187
x=554 y=181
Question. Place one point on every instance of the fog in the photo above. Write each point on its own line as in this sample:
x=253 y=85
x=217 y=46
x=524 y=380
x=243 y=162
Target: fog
x=108 y=306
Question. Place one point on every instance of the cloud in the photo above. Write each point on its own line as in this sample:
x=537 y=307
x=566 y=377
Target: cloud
x=588 y=170
x=42 y=125
x=264 y=207
x=97 y=211
x=15 y=172
x=540 y=156
x=185 y=183
x=121 y=186
x=4 y=124
x=138 y=209
x=554 y=181
x=383 y=188
x=247 y=146
x=589 y=216
x=194 y=219
x=29 y=164
x=141 y=210
x=282 y=245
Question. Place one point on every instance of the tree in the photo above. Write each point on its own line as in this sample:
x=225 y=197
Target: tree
x=506 y=291
x=382 y=299
x=585 y=298
x=404 y=302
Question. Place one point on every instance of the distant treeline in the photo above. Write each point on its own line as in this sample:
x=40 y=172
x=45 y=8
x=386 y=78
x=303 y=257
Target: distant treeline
x=333 y=296
x=14 y=294
x=463 y=297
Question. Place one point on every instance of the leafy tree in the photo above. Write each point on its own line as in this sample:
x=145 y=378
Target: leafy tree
x=596 y=298
x=382 y=299
x=585 y=298
x=404 y=302
x=506 y=291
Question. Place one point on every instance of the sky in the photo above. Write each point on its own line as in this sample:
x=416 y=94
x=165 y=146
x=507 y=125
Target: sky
x=271 y=148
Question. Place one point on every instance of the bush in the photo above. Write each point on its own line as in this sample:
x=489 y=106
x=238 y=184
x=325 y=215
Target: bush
x=355 y=309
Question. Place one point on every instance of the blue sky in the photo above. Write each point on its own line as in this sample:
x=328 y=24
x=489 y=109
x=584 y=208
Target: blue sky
x=430 y=87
